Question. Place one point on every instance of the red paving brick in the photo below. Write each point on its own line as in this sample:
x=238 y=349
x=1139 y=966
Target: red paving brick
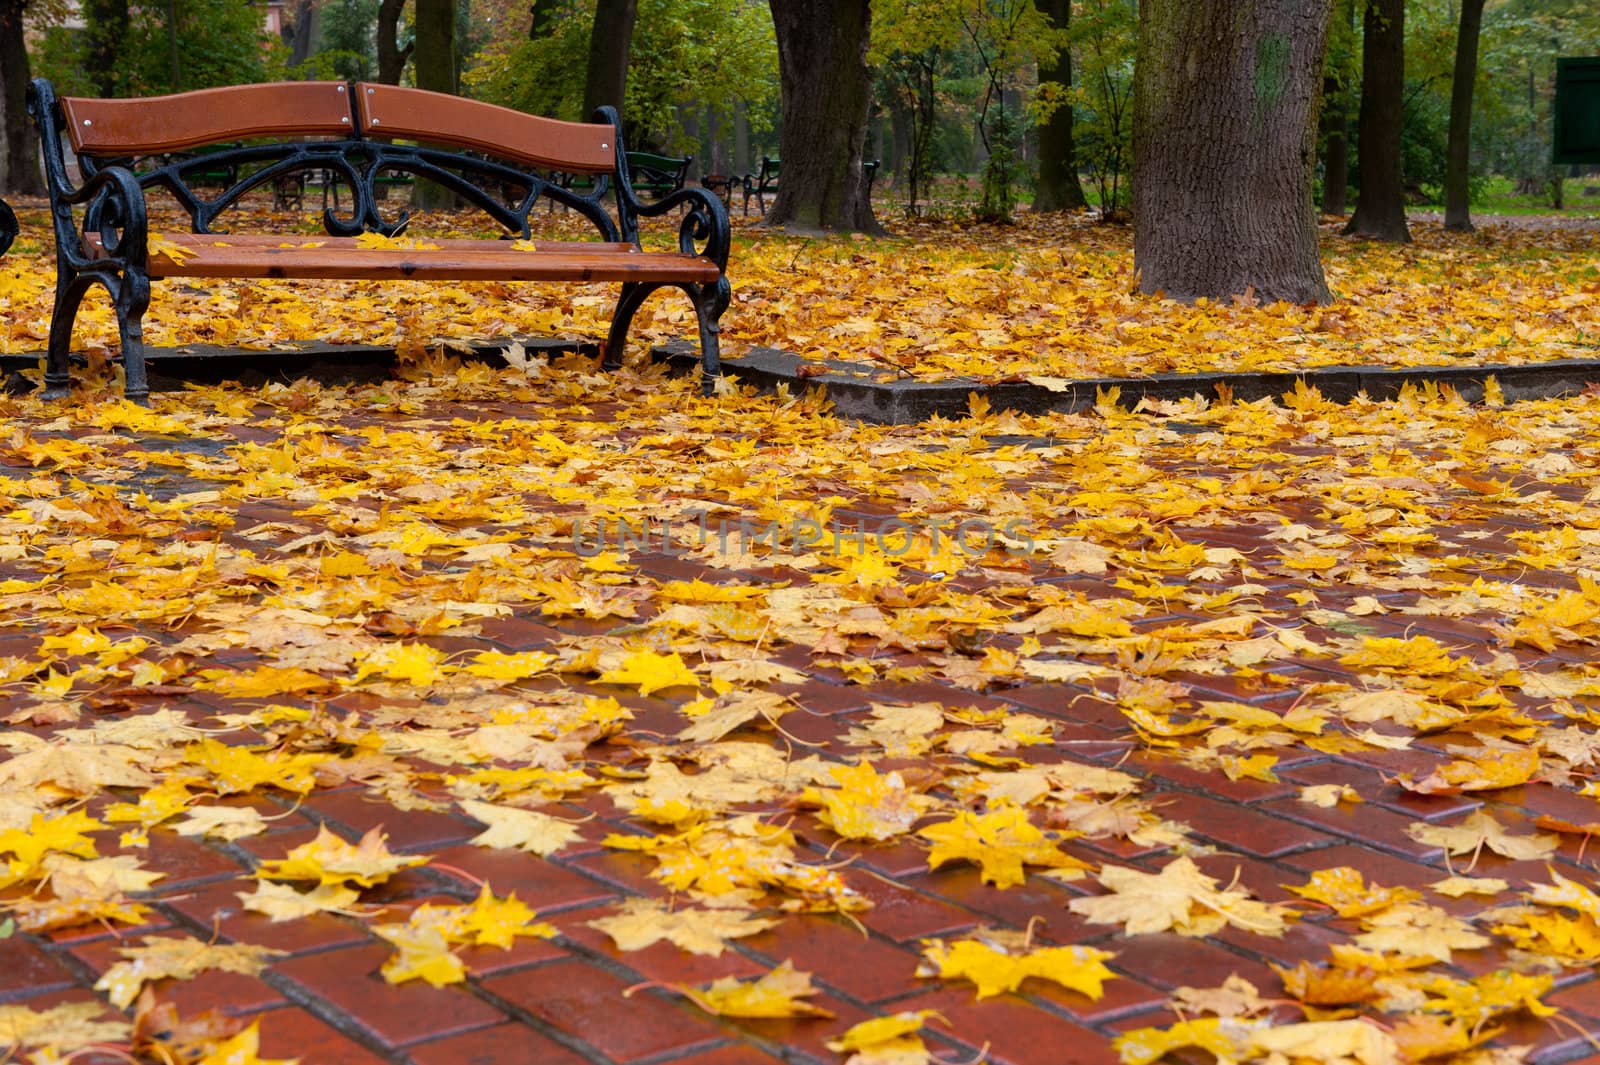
x=217 y=909
x=294 y=1033
x=495 y=1046
x=1016 y=1031
x=571 y=995
x=348 y=979
x=25 y=969
x=840 y=955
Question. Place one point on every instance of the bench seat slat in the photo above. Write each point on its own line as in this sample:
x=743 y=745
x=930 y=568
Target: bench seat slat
x=341 y=258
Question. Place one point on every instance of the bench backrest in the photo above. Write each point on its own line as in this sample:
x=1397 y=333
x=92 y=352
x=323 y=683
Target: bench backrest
x=434 y=118
x=361 y=136
x=156 y=124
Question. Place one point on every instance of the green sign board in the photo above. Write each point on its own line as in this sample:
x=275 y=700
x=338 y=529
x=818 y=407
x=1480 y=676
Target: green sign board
x=1577 y=110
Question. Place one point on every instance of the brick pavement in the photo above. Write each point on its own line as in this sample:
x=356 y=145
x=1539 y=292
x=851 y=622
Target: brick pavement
x=218 y=547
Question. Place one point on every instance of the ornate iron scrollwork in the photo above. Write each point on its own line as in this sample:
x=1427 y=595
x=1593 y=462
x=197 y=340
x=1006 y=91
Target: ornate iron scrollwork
x=8 y=227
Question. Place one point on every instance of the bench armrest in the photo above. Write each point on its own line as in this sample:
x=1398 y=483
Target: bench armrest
x=8 y=226
x=705 y=229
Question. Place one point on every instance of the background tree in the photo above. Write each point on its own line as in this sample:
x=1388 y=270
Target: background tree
x=1104 y=34
x=1340 y=76
x=1058 y=188
x=1457 y=205
x=348 y=39
x=1224 y=134
x=105 y=29
x=392 y=54
x=825 y=89
x=1380 y=200
x=609 y=42
x=20 y=173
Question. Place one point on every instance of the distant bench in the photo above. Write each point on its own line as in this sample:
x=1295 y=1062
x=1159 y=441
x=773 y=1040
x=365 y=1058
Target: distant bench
x=497 y=160
x=764 y=182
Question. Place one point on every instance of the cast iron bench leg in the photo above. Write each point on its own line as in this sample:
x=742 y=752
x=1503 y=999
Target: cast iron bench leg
x=709 y=303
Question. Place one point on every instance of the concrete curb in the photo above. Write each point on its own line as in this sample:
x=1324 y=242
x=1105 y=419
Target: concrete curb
x=854 y=388
x=906 y=402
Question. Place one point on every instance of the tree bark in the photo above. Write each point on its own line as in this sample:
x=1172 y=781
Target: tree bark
x=303 y=30
x=436 y=45
x=1224 y=148
x=435 y=70
x=609 y=44
x=826 y=91
x=21 y=148
x=1458 y=145
x=1059 y=189
x=1381 y=197
x=105 y=27
x=391 y=57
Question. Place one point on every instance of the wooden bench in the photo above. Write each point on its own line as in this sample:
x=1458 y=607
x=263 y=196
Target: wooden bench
x=658 y=175
x=764 y=182
x=496 y=160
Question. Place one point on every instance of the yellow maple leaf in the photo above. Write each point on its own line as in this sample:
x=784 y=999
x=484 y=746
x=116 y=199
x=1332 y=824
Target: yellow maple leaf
x=328 y=859
x=159 y=244
x=235 y=770
x=418 y=664
x=1346 y=890
x=870 y=805
x=1000 y=842
x=996 y=970
x=1356 y=1041
x=497 y=665
x=1143 y=1046
x=1181 y=898
x=68 y=1027
x=263 y=681
x=62 y=834
x=642 y=922
x=891 y=1040
x=1420 y=931
x=651 y=672
x=242 y=1048
x=1479 y=830
x=513 y=828
x=420 y=954
x=774 y=994
x=160 y=957
x=166 y=799
x=280 y=902
x=1481 y=771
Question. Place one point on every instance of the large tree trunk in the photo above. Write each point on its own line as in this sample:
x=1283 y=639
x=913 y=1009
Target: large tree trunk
x=1224 y=148
x=21 y=156
x=1381 y=197
x=609 y=44
x=1458 y=146
x=1059 y=189
x=391 y=57
x=826 y=92
x=105 y=28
